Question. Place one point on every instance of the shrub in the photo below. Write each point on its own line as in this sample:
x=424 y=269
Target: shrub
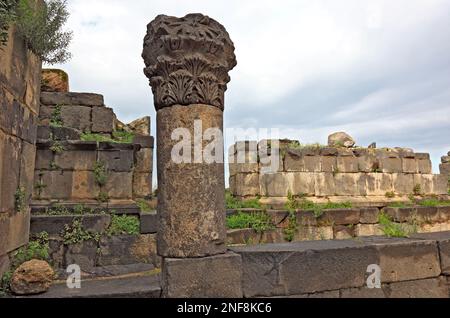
x=42 y=29
x=124 y=225
x=390 y=228
x=233 y=203
x=260 y=222
x=7 y=16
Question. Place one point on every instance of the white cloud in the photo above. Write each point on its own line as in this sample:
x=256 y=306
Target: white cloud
x=376 y=68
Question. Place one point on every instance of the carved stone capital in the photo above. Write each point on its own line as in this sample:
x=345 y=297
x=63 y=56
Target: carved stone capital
x=187 y=60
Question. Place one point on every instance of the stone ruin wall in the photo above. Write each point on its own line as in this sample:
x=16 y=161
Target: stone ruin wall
x=325 y=172
x=445 y=167
x=19 y=97
x=68 y=175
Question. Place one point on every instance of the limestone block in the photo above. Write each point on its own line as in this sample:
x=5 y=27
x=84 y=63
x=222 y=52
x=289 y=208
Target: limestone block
x=247 y=184
x=144 y=160
x=83 y=99
x=329 y=164
x=378 y=184
x=341 y=139
x=367 y=163
x=424 y=166
x=275 y=185
x=362 y=230
x=271 y=164
x=102 y=120
x=403 y=183
x=351 y=184
x=75 y=160
x=84 y=185
x=293 y=162
x=409 y=165
x=303 y=183
x=444 y=213
x=445 y=169
x=117 y=160
x=215 y=276
x=77 y=117
x=425 y=181
x=440 y=184
x=313 y=233
x=342 y=232
x=312 y=164
x=445 y=159
x=232 y=182
x=324 y=184
x=347 y=164
x=390 y=165
x=142 y=184
x=119 y=185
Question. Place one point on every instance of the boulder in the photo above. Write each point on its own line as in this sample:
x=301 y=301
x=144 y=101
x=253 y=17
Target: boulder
x=31 y=278
x=341 y=139
x=54 y=80
x=141 y=126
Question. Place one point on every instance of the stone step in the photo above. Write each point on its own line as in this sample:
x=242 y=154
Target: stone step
x=113 y=271
x=141 y=285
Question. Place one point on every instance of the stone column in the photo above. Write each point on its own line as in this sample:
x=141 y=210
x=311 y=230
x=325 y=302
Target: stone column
x=187 y=61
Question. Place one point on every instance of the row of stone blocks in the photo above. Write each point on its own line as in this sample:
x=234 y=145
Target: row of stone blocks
x=81 y=111
x=445 y=165
x=322 y=184
x=344 y=162
x=415 y=267
x=70 y=174
x=19 y=106
x=341 y=224
x=109 y=250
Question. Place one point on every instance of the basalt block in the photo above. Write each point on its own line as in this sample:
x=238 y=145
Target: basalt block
x=209 y=277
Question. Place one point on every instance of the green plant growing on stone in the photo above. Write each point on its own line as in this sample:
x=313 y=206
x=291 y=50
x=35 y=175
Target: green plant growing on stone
x=53 y=166
x=20 y=200
x=390 y=228
x=57 y=147
x=40 y=187
x=119 y=137
x=38 y=248
x=56 y=117
x=260 y=222
x=124 y=225
x=7 y=16
x=143 y=205
x=434 y=203
x=390 y=194
x=42 y=29
x=417 y=190
x=233 y=203
x=100 y=173
x=103 y=197
x=292 y=227
x=75 y=233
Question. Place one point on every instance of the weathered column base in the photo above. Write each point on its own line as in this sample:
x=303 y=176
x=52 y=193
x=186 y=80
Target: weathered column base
x=208 y=277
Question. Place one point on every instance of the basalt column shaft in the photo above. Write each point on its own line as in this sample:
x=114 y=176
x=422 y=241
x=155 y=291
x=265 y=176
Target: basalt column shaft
x=187 y=61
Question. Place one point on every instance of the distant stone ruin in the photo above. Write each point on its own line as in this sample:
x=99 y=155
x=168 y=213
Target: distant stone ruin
x=84 y=152
x=332 y=172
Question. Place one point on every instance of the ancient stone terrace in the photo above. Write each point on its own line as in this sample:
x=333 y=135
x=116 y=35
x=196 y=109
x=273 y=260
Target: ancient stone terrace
x=332 y=172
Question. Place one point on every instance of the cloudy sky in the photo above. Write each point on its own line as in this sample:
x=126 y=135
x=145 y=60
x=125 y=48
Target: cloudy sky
x=377 y=69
